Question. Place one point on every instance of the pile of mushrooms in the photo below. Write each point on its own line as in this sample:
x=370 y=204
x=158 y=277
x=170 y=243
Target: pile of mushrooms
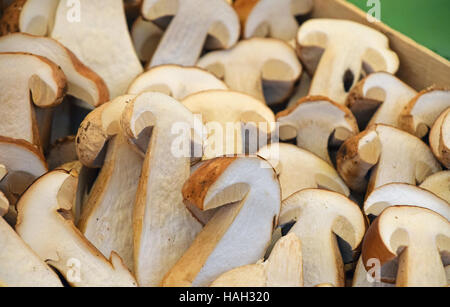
x=215 y=143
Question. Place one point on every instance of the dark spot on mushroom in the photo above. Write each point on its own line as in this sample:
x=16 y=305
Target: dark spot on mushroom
x=349 y=79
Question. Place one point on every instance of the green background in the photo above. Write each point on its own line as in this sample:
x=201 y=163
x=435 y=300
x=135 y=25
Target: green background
x=425 y=21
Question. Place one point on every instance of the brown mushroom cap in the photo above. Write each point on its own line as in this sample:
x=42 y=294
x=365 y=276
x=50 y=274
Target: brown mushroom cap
x=440 y=138
x=439 y=184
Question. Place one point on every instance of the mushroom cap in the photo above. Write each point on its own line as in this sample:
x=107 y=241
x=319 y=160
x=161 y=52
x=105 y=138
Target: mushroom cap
x=439 y=184
x=176 y=81
x=83 y=83
x=313 y=120
x=440 y=138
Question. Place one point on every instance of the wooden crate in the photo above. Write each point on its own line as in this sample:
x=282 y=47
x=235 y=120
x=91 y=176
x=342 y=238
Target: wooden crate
x=419 y=66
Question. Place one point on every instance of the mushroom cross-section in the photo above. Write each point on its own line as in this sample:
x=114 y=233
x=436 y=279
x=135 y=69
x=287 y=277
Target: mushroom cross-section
x=349 y=50
x=146 y=36
x=391 y=155
x=440 y=138
x=320 y=216
x=282 y=269
x=439 y=184
x=161 y=128
x=82 y=82
x=176 y=81
x=236 y=123
x=422 y=111
x=313 y=121
x=419 y=237
x=247 y=194
x=99 y=37
x=44 y=223
x=264 y=68
x=299 y=169
x=22 y=73
x=379 y=99
x=275 y=19
x=193 y=21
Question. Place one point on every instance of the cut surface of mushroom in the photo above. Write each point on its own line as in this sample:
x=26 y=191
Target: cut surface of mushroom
x=349 y=49
x=380 y=99
x=275 y=19
x=439 y=184
x=176 y=81
x=255 y=64
x=22 y=73
x=361 y=278
x=146 y=36
x=107 y=217
x=377 y=149
x=440 y=138
x=45 y=224
x=82 y=82
x=282 y=269
x=313 y=121
x=100 y=39
x=183 y=41
x=19 y=265
x=163 y=227
x=299 y=169
x=419 y=237
x=236 y=123
x=247 y=194
x=422 y=111
x=320 y=216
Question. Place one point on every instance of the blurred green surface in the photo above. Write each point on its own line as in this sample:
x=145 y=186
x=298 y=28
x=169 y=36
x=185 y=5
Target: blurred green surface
x=425 y=21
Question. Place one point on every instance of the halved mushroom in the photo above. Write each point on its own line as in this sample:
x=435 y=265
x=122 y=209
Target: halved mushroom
x=440 y=138
x=268 y=75
x=275 y=19
x=161 y=128
x=176 y=81
x=299 y=169
x=45 y=224
x=146 y=36
x=361 y=278
x=283 y=268
x=302 y=89
x=22 y=73
x=100 y=39
x=236 y=123
x=320 y=216
x=247 y=194
x=107 y=215
x=421 y=113
x=439 y=184
x=82 y=82
x=419 y=237
x=391 y=155
x=193 y=21
x=29 y=16
x=346 y=50
x=379 y=99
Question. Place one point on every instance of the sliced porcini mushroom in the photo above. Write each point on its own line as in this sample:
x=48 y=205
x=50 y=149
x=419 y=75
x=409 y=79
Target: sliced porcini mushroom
x=379 y=99
x=302 y=89
x=439 y=184
x=275 y=68
x=440 y=138
x=19 y=265
x=422 y=111
x=419 y=237
x=100 y=39
x=82 y=82
x=22 y=73
x=146 y=36
x=29 y=16
x=299 y=169
x=320 y=216
x=176 y=81
x=45 y=224
x=236 y=123
x=163 y=227
x=107 y=215
x=361 y=278
x=346 y=50
x=313 y=121
x=247 y=194
x=61 y=152
x=377 y=150
x=275 y=19
x=183 y=41
x=282 y=269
